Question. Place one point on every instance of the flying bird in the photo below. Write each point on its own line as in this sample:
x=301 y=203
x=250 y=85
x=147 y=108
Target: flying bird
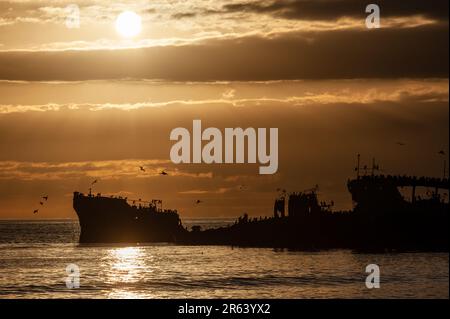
x=163 y=173
x=94 y=182
x=41 y=203
x=441 y=152
x=36 y=211
x=198 y=201
x=142 y=168
x=401 y=143
x=45 y=197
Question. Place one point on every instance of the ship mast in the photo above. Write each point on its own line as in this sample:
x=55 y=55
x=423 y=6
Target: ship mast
x=375 y=167
x=358 y=164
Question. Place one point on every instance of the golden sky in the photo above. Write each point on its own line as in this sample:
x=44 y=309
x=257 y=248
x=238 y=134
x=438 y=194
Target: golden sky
x=78 y=104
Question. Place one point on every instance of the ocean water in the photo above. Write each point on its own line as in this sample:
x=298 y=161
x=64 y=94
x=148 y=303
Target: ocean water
x=34 y=256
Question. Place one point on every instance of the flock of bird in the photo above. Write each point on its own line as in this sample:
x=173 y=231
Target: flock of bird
x=43 y=200
x=163 y=172
x=441 y=152
x=198 y=201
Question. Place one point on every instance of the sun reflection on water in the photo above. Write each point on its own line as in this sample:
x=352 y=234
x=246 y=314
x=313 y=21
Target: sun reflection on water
x=127 y=266
x=124 y=294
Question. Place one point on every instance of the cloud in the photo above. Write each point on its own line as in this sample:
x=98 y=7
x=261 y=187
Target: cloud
x=56 y=11
x=80 y=135
x=221 y=190
x=383 y=53
x=182 y=15
x=40 y=25
x=335 y=9
x=424 y=92
x=229 y=94
x=105 y=170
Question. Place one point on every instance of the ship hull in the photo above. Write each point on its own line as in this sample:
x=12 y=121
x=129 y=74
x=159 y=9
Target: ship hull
x=111 y=220
x=395 y=231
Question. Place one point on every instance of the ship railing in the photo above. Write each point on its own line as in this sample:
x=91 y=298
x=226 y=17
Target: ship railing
x=404 y=180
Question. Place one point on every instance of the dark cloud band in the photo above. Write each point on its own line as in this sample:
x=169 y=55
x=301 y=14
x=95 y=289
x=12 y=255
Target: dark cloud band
x=419 y=52
x=335 y=9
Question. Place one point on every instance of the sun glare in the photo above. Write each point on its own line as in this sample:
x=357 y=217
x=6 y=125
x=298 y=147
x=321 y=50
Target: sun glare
x=128 y=24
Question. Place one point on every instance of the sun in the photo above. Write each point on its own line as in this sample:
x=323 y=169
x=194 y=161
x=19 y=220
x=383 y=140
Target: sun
x=128 y=24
